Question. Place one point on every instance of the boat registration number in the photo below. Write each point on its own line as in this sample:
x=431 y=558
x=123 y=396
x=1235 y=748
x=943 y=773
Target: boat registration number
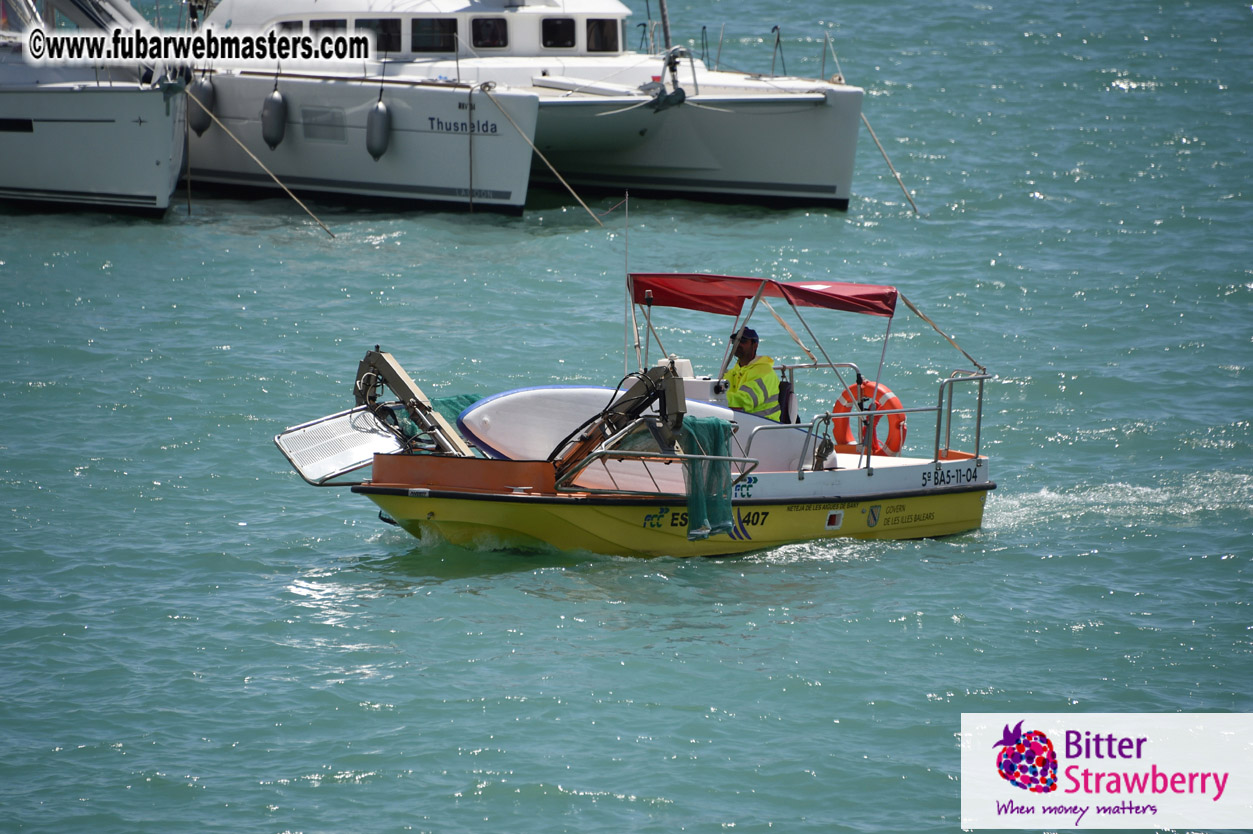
x=665 y=517
x=953 y=476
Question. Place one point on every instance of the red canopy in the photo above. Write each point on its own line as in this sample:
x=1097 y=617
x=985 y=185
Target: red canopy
x=726 y=294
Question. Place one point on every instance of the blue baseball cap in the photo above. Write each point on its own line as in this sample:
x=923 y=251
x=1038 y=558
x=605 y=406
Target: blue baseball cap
x=750 y=335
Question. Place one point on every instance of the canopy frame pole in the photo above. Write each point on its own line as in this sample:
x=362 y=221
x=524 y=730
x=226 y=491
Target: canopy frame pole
x=631 y=321
x=739 y=331
x=648 y=323
x=868 y=423
x=817 y=341
x=883 y=354
x=631 y=327
x=790 y=331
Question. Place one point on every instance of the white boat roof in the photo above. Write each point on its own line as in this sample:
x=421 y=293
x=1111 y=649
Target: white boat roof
x=258 y=12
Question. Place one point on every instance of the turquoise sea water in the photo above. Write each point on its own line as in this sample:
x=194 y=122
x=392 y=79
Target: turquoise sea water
x=193 y=639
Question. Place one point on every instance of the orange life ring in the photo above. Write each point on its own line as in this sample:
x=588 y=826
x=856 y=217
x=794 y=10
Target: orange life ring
x=884 y=400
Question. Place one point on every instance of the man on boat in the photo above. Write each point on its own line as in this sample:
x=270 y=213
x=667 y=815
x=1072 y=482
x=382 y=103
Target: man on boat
x=752 y=384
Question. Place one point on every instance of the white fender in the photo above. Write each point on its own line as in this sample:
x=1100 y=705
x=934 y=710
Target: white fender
x=198 y=117
x=274 y=119
x=378 y=130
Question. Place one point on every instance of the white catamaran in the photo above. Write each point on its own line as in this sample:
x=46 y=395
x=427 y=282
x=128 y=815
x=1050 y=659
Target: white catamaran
x=471 y=86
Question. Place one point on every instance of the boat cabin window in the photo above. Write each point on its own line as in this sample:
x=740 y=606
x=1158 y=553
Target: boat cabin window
x=602 y=35
x=386 y=32
x=317 y=27
x=489 y=33
x=557 y=32
x=288 y=26
x=435 y=34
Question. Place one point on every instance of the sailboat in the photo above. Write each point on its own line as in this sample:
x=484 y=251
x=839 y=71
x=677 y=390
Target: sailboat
x=87 y=135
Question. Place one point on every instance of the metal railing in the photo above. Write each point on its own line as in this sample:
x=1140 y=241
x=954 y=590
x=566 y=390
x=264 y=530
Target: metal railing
x=789 y=371
x=820 y=428
x=946 y=412
x=565 y=482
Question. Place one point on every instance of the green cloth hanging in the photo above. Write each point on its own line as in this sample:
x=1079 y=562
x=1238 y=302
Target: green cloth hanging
x=449 y=408
x=708 y=481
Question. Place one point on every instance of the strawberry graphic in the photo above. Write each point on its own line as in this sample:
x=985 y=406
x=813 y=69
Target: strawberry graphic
x=1027 y=760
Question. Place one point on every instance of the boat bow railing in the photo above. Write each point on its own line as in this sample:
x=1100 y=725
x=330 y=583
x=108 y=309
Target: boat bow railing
x=819 y=441
x=944 y=408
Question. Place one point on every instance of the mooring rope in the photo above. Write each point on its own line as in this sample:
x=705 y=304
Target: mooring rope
x=278 y=182
x=899 y=181
x=839 y=70
x=470 y=142
x=937 y=329
x=522 y=133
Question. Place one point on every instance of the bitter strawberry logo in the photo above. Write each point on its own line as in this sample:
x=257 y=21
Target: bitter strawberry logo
x=1027 y=760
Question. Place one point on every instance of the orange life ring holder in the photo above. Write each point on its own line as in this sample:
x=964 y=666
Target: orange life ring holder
x=884 y=400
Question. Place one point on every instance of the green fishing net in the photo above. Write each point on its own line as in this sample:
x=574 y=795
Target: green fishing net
x=708 y=481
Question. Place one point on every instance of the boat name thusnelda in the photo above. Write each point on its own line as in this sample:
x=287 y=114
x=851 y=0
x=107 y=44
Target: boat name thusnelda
x=438 y=125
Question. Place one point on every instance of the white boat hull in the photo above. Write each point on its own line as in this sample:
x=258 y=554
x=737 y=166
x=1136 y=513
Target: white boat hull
x=788 y=140
x=70 y=135
x=770 y=148
x=608 y=117
x=439 y=149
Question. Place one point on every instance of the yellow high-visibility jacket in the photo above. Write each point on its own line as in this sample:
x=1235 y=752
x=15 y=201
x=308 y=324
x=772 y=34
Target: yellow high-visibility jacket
x=754 y=388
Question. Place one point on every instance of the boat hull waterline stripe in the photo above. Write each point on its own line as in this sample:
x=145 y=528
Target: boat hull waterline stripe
x=710 y=184
x=353 y=186
x=136 y=200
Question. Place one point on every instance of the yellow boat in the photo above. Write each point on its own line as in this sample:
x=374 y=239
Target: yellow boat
x=660 y=466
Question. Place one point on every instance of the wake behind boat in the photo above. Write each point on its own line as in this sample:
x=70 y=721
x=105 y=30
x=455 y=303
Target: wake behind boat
x=661 y=465
x=600 y=114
